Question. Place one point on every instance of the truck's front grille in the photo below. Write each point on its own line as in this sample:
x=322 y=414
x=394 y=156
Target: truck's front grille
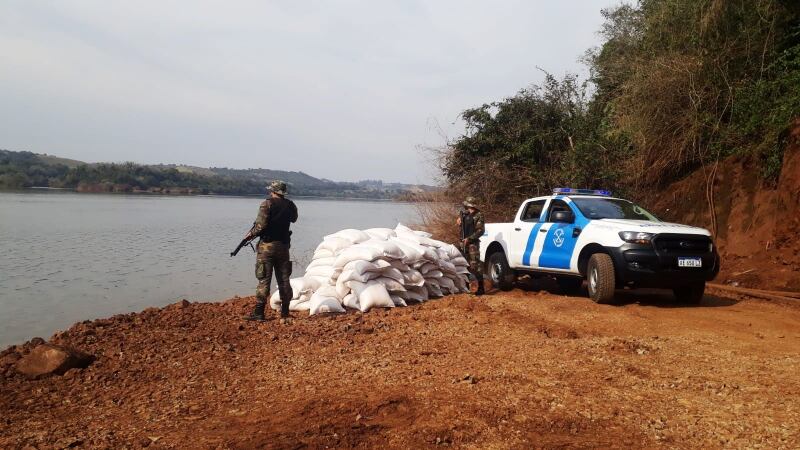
x=682 y=244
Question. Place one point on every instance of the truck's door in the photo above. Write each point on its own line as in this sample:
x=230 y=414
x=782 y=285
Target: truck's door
x=560 y=239
x=523 y=237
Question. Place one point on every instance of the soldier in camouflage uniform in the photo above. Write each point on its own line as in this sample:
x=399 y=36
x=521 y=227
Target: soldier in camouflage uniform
x=472 y=226
x=275 y=214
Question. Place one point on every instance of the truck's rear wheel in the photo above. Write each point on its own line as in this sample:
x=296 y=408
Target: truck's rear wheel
x=691 y=294
x=601 y=278
x=500 y=273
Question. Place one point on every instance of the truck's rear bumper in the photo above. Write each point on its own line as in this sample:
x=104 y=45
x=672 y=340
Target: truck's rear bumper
x=644 y=266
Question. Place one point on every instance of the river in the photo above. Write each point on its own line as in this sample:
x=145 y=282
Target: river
x=68 y=257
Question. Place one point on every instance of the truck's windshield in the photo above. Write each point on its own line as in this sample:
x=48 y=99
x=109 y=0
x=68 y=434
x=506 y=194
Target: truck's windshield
x=611 y=208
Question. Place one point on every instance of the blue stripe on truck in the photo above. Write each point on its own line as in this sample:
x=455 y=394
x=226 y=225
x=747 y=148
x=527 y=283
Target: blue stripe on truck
x=526 y=257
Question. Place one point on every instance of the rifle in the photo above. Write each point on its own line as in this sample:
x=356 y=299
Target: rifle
x=463 y=213
x=246 y=241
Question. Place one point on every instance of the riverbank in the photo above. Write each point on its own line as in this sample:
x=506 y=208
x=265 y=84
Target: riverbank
x=195 y=193
x=509 y=370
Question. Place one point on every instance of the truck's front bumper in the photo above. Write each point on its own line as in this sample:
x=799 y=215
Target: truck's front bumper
x=646 y=266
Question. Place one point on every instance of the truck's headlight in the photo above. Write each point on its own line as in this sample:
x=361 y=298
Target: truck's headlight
x=636 y=237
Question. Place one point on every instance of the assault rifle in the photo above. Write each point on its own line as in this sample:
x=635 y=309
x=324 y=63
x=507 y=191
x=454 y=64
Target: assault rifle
x=462 y=234
x=246 y=241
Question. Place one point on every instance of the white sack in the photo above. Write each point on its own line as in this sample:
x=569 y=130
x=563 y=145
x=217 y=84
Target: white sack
x=342 y=289
x=361 y=267
x=323 y=253
x=459 y=261
x=325 y=300
x=388 y=249
x=427 y=267
x=447 y=267
x=351 y=301
x=354 y=236
x=303 y=285
x=300 y=304
x=412 y=252
x=353 y=275
x=381 y=264
x=321 y=302
x=321 y=262
x=433 y=274
x=398 y=301
x=357 y=252
x=320 y=280
x=320 y=272
x=453 y=252
x=461 y=284
x=412 y=296
x=434 y=291
x=391 y=272
x=413 y=277
x=418 y=292
x=334 y=244
x=381 y=233
x=371 y=295
x=390 y=284
x=447 y=284
x=399 y=265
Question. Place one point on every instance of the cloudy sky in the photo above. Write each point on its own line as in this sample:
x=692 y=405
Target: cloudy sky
x=345 y=90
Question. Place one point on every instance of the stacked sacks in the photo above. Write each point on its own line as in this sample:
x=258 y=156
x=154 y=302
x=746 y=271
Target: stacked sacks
x=378 y=267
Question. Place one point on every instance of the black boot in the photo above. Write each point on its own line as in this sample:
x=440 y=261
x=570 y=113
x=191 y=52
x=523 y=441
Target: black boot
x=258 y=313
x=480 y=290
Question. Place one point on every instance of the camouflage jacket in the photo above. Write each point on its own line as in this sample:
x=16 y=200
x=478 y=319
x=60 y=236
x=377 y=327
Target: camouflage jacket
x=476 y=228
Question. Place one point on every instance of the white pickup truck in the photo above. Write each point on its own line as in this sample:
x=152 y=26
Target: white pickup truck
x=578 y=234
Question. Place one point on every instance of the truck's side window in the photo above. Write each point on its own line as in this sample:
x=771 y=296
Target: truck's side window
x=533 y=210
x=556 y=205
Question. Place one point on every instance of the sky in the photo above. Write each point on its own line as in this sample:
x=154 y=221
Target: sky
x=345 y=90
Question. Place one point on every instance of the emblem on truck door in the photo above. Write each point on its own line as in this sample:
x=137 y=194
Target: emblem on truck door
x=558 y=237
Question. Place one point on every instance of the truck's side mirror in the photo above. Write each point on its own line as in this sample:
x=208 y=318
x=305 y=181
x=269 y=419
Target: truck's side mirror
x=563 y=216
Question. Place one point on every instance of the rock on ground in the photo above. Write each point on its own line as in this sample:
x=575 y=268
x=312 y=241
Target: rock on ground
x=47 y=359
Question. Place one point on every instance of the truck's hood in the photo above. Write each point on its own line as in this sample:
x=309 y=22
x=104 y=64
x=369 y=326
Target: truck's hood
x=650 y=227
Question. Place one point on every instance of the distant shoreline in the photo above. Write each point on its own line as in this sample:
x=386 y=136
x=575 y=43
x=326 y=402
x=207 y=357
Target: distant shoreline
x=160 y=194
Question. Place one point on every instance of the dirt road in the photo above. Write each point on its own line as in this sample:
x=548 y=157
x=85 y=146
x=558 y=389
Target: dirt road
x=510 y=370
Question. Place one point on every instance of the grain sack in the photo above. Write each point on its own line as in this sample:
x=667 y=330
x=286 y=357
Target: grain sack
x=381 y=233
x=322 y=303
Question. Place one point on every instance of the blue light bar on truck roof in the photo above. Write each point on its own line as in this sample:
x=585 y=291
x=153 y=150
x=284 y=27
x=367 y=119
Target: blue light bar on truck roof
x=573 y=191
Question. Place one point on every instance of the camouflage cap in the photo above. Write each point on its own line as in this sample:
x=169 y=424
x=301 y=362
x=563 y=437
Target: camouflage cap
x=278 y=187
x=471 y=202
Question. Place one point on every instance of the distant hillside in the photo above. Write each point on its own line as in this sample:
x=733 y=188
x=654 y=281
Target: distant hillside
x=25 y=169
x=55 y=160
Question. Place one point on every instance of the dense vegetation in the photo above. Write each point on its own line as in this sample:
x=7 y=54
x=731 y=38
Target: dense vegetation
x=676 y=85
x=24 y=169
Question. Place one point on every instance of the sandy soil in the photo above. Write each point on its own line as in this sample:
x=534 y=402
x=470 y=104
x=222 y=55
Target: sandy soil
x=508 y=370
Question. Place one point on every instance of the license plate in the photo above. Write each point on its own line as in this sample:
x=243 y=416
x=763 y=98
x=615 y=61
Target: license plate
x=690 y=262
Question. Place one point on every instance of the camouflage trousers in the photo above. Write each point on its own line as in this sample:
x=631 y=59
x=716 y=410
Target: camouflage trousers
x=474 y=258
x=274 y=256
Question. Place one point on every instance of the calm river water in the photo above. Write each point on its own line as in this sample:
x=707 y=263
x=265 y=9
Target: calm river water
x=67 y=257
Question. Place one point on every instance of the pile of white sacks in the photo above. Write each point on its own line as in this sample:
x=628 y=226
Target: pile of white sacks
x=377 y=268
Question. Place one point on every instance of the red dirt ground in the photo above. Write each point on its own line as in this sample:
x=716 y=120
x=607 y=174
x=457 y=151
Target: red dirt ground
x=509 y=370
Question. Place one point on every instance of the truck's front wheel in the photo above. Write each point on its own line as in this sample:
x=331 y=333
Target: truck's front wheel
x=500 y=273
x=601 y=278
